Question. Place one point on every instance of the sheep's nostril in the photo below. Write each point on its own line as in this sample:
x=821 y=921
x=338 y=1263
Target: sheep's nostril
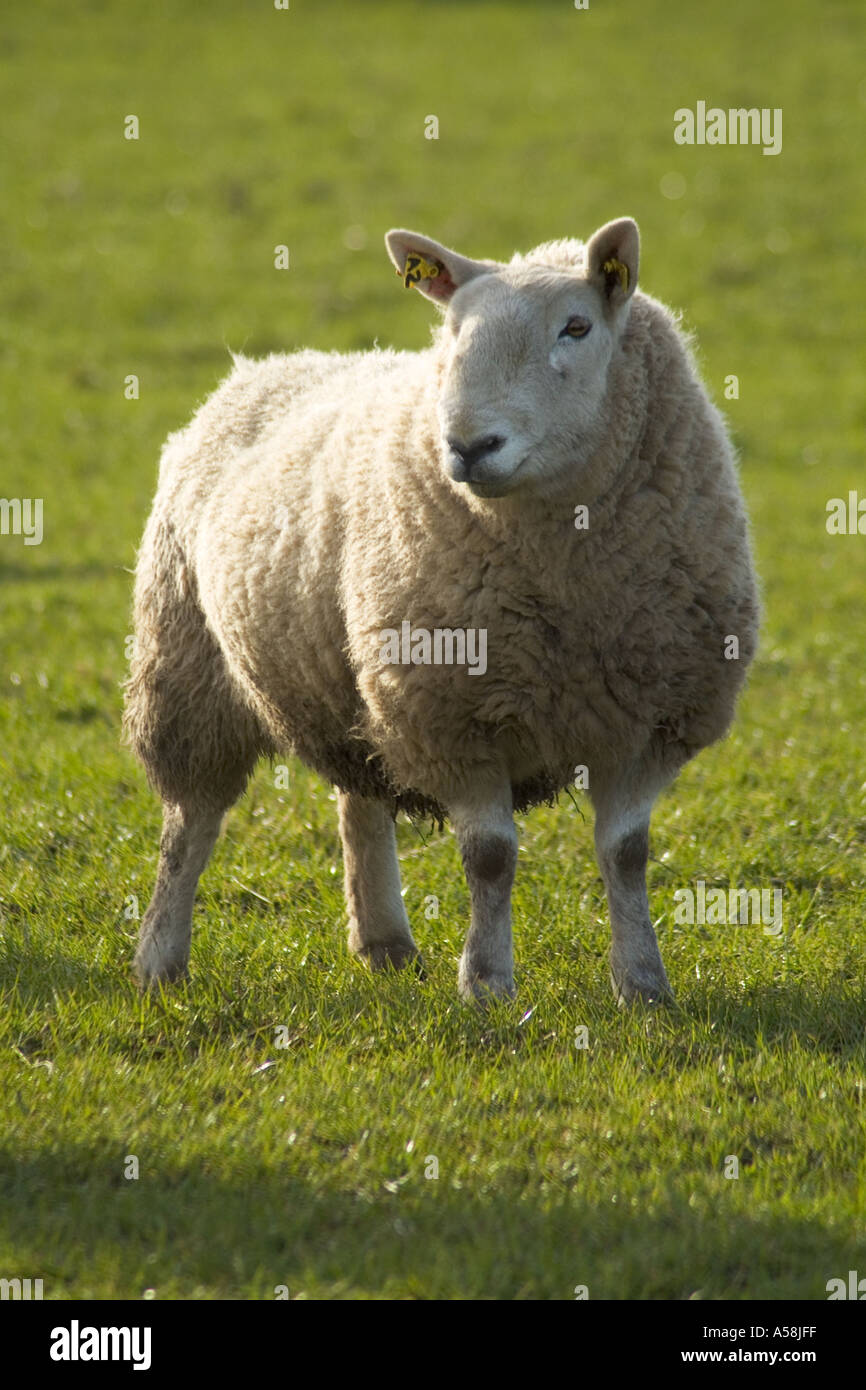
x=472 y=454
x=490 y=443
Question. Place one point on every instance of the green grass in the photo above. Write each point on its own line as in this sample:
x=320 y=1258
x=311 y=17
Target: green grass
x=558 y=1166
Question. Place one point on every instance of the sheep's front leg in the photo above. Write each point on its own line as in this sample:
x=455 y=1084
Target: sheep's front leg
x=622 y=847
x=488 y=846
x=378 y=924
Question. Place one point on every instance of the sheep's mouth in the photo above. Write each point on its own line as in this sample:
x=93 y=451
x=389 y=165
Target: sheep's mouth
x=496 y=487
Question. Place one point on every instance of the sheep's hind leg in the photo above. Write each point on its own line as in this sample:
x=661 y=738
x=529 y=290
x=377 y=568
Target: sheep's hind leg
x=379 y=929
x=488 y=846
x=195 y=734
x=622 y=847
x=188 y=836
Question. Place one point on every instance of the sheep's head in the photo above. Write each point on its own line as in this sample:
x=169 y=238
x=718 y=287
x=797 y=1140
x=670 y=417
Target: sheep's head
x=525 y=350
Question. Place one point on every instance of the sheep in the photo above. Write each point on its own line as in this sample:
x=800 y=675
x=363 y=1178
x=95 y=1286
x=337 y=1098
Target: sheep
x=549 y=472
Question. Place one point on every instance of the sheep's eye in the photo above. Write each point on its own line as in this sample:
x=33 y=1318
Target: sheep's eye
x=576 y=328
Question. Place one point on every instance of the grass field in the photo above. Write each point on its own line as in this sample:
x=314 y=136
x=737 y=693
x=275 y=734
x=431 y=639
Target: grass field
x=558 y=1166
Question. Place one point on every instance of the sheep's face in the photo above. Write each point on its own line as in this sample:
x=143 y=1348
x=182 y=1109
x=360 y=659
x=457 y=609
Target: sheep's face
x=525 y=352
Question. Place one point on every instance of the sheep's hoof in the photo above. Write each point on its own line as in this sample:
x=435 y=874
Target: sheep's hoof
x=649 y=989
x=389 y=955
x=151 y=972
x=484 y=990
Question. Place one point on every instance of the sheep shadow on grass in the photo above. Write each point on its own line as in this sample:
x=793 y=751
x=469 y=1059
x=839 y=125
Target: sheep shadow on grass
x=211 y=1236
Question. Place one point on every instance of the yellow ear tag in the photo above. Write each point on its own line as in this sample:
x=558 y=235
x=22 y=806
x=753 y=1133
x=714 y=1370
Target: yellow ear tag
x=416 y=268
x=614 y=267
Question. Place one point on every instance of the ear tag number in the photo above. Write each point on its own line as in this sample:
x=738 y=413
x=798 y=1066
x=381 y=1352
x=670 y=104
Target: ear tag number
x=417 y=268
x=615 y=267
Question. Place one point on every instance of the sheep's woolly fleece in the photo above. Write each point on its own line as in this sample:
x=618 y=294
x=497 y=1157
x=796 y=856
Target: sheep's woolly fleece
x=304 y=510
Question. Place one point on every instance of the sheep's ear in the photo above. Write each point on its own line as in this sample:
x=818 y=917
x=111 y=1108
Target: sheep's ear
x=433 y=269
x=612 y=255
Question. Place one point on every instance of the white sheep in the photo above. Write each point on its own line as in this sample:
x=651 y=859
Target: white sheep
x=549 y=473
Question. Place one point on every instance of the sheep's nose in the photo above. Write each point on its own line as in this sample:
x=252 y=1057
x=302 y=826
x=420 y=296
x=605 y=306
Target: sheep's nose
x=472 y=454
